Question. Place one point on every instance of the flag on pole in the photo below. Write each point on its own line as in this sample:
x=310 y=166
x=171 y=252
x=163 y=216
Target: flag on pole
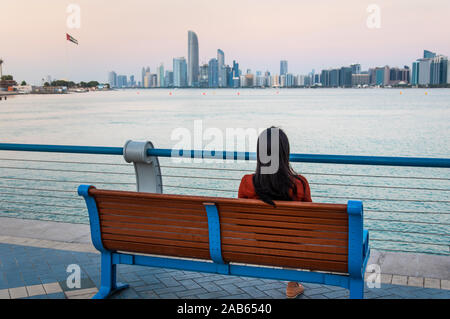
x=71 y=39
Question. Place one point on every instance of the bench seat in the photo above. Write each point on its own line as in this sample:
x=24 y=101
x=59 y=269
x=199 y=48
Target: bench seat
x=307 y=242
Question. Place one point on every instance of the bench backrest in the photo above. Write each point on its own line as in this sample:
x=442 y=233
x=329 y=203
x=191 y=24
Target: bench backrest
x=294 y=234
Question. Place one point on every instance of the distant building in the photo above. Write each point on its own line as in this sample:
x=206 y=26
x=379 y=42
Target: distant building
x=204 y=72
x=213 y=73
x=112 y=79
x=424 y=71
x=428 y=54
x=179 y=72
x=168 y=79
x=345 y=77
x=283 y=67
x=415 y=73
x=193 y=60
x=360 y=79
x=222 y=77
x=122 y=81
x=356 y=68
x=160 y=76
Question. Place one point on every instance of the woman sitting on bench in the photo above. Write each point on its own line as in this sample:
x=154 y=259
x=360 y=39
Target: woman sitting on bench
x=283 y=184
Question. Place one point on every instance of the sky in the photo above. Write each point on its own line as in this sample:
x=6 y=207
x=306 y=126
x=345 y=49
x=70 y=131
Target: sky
x=124 y=36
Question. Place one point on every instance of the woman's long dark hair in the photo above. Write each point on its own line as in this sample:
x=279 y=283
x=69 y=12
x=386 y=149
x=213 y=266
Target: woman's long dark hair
x=281 y=184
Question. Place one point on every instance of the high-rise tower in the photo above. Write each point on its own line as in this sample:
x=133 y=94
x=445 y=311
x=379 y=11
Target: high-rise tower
x=193 y=67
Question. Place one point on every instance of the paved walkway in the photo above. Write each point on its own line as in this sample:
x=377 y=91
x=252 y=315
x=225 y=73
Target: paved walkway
x=36 y=268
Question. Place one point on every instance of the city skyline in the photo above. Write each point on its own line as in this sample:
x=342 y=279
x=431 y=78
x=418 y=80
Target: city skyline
x=122 y=37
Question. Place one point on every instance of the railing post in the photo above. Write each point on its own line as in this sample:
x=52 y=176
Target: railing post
x=147 y=169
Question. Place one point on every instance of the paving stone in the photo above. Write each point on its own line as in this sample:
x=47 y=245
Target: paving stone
x=19 y=292
x=212 y=295
x=399 y=280
x=35 y=290
x=415 y=281
x=386 y=279
x=254 y=292
x=81 y=293
x=58 y=295
x=4 y=294
x=191 y=292
x=51 y=288
x=432 y=283
x=445 y=284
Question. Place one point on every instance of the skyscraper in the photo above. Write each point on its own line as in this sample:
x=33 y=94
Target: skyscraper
x=356 y=68
x=283 y=67
x=428 y=54
x=221 y=68
x=112 y=79
x=193 y=67
x=143 y=76
x=424 y=71
x=179 y=72
x=160 y=74
x=213 y=73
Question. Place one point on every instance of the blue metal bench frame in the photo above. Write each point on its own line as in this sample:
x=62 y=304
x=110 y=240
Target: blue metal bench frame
x=358 y=255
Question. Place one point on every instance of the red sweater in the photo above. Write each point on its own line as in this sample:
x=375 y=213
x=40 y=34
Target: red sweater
x=247 y=189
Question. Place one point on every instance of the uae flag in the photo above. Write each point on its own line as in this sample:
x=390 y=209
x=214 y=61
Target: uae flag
x=71 y=39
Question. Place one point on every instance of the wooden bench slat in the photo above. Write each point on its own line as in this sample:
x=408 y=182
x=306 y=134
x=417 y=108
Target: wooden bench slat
x=156 y=249
x=157 y=227
x=157 y=241
x=278 y=261
x=156 y=234
x=283 y=253
x=286 y=246
x=292 y=219
x=281 y=231
x=149 y=220
x=271 y=223
x=285 y=239
x=150 y=213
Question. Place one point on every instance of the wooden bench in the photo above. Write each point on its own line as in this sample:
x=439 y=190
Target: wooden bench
x=306 y=242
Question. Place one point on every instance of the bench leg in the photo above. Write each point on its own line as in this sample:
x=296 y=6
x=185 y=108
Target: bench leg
x=108 y=285
x=356 y=288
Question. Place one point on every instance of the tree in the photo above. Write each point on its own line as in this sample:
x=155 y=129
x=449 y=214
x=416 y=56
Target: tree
x=46 y=84
x=7 y=78
x=23 y=83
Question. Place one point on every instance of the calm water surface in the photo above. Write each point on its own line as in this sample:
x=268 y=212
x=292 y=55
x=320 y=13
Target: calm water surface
x=380 y=122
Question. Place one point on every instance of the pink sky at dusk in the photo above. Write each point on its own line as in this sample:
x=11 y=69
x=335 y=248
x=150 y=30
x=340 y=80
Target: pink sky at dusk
x=127 y=35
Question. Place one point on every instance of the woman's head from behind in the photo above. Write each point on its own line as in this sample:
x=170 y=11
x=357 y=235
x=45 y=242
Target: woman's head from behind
x=274 y=177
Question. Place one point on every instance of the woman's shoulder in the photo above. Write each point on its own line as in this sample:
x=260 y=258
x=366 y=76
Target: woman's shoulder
x=301 y=178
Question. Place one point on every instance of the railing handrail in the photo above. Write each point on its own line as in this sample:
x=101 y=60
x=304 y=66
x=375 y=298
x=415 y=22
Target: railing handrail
x=230 y=155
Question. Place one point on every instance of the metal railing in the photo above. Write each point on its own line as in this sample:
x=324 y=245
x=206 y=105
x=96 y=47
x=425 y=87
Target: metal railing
x=406 y=203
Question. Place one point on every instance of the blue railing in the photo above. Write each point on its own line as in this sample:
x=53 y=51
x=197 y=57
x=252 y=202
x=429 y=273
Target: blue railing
x=205 y=154
x=405 y=199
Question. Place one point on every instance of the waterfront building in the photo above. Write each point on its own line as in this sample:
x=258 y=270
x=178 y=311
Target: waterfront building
x=168 y=79
x=122 y=81
x=345 y=77
x=275 y=80
x=213 y=73
x=132 y=81
x=324 y=78
x=356 y=68
x=428 y=54
x=424 y=71
x=179 y=72
x=289 y=80
x=222 y=76
x=283 y=67
x=112 y=79
x=193 y=60
x=154 y=80
x=143 y=73
x=334 y=78
x=160 y=76
x=204 y=72
x=438 y=70
x=360 y=79
x=415 y=73
x=399 y=75
x=448 y=71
